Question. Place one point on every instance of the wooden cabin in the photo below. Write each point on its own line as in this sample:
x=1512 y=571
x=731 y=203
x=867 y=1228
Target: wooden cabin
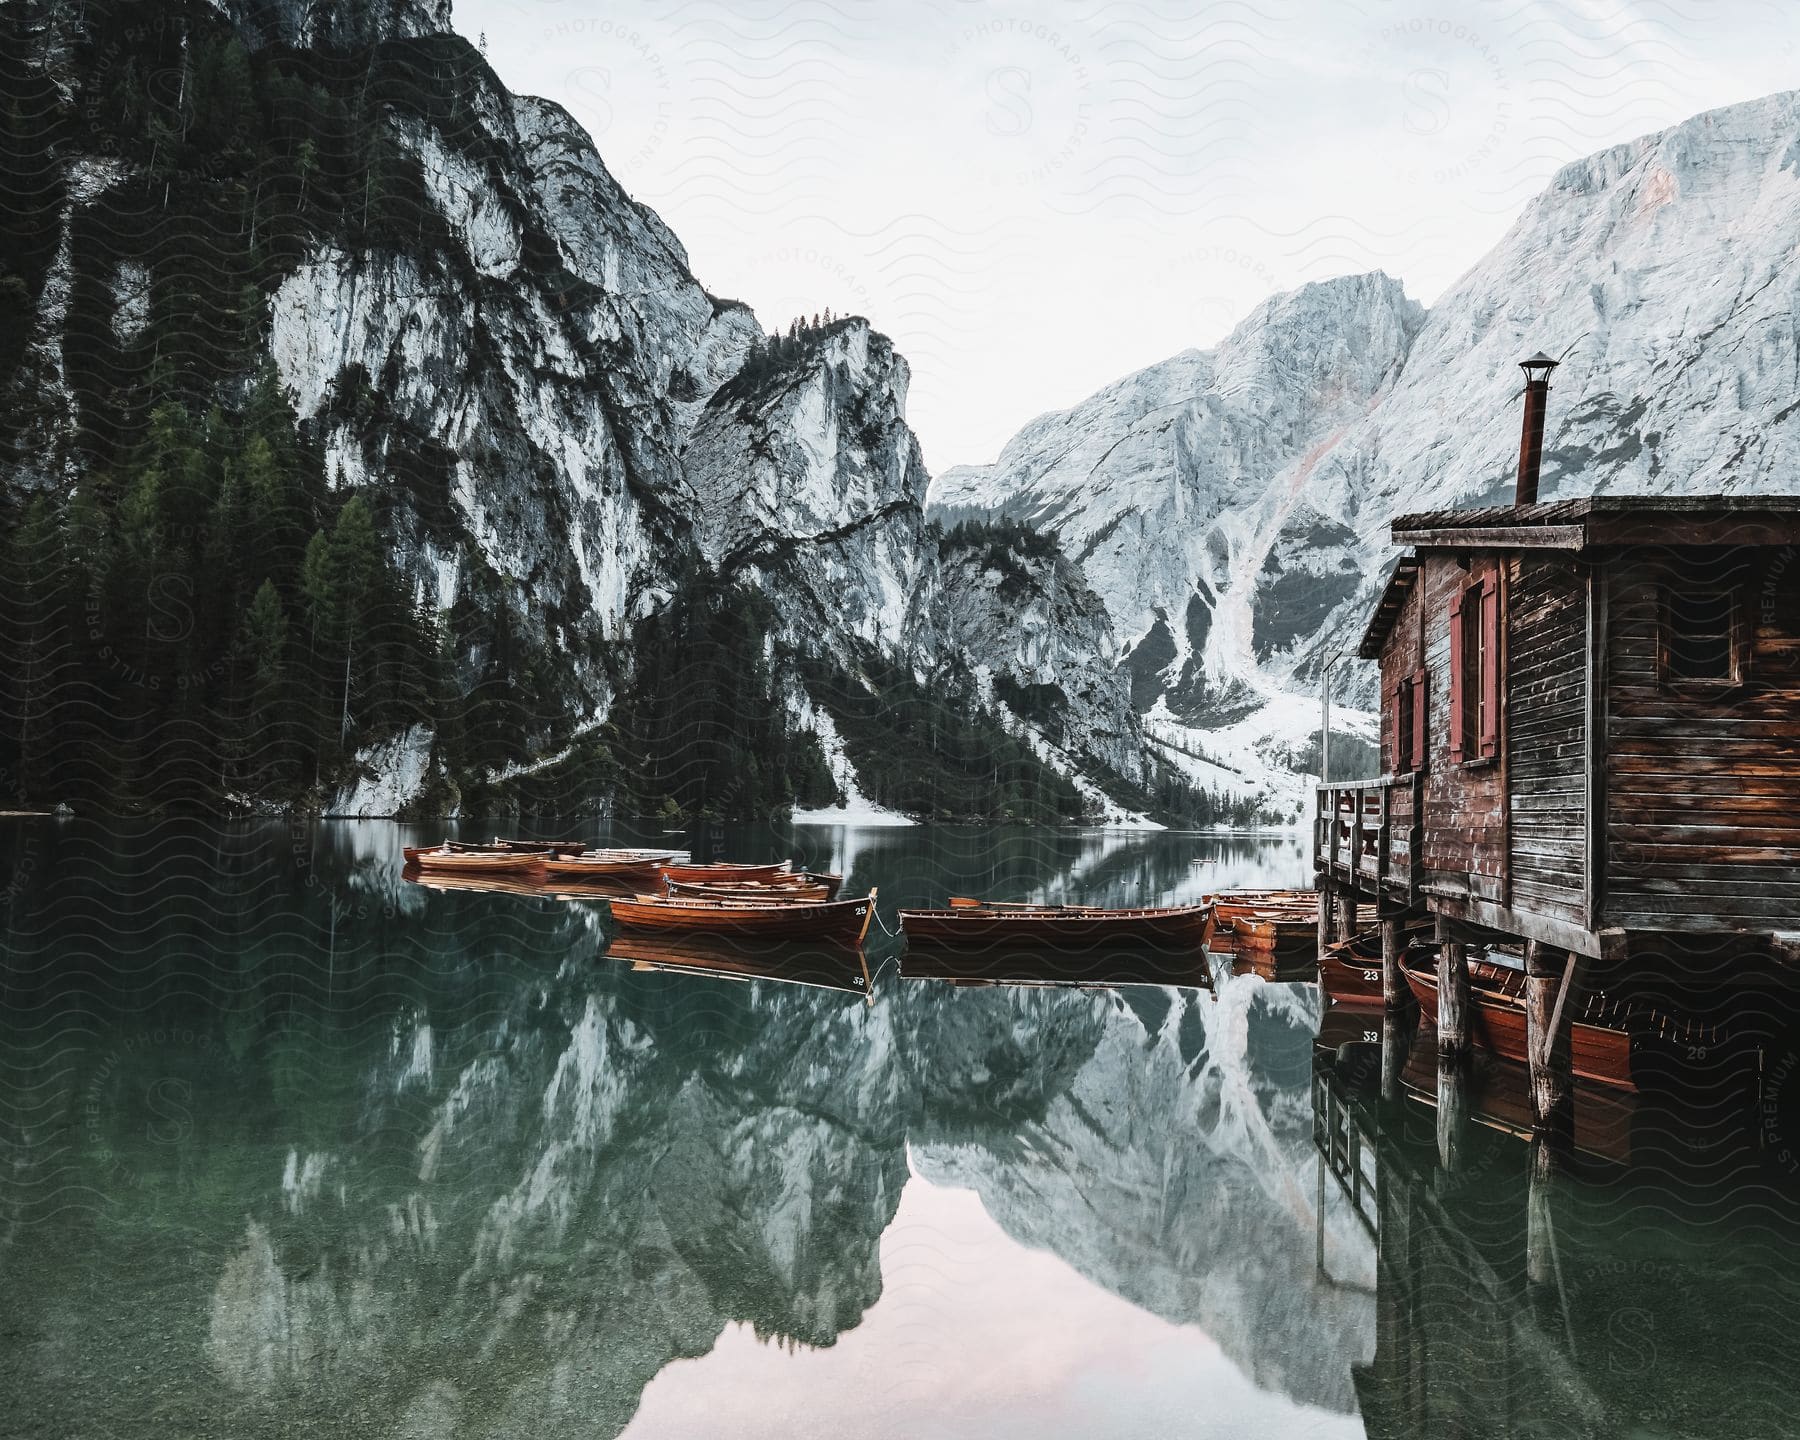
x=1590 y=723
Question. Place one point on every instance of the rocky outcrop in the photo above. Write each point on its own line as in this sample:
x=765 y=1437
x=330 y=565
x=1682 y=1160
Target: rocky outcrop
x=810 y=486
x=1029 y=625
x=334 y=24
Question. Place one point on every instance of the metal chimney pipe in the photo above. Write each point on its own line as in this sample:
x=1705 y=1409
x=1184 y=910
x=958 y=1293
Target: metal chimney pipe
x=1531 y=443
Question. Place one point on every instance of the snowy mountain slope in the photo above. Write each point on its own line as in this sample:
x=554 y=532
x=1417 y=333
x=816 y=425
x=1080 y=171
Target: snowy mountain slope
x=1257 y=482
x=1168 y=486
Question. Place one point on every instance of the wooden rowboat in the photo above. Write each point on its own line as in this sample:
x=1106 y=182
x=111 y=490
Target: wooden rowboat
x=632 y=873
x=1056 y=927
x=1601 y=1053
x=1350 y=972
x=798 y=891
x=1275 y=927
x=724 y=872
x=464 y=862
x=844 y=920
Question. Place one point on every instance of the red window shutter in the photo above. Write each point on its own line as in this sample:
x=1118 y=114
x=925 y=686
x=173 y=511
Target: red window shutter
x=1490 y=668
x=1456 y=676
x=1421 y=747
x=1396 y=723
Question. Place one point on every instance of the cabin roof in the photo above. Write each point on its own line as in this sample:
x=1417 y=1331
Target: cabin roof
x=1579 y=524
x=1590 y=520
x=1393 y=595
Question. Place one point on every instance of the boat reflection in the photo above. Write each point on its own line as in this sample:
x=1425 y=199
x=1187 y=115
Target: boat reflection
x=820 y=964
x=1497 y=1093
x=1024 y=964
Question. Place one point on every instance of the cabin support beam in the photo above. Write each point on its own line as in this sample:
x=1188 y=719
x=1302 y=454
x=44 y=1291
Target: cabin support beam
x=1394 y=994
x=1453 y=996
x=1548 y=975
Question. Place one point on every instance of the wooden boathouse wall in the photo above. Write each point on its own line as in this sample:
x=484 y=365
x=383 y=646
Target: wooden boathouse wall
x=1702 y=781
x=1546 y=735
x=1511 y=831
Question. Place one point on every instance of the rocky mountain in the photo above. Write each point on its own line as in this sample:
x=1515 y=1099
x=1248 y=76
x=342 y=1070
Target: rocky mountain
x=1231 y=507
x=631 y=547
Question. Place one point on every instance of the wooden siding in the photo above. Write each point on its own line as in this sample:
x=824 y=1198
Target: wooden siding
x=1703 y=783
x=1546 y=733
x=1400 y=657
x=1465 y=815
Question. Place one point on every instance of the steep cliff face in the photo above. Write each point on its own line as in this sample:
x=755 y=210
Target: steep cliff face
x=807 y=483
x=547 y=352
x=561 y=435
x=1033 y=629
x=1232 y=507
x=341 y=24
x=809 y=486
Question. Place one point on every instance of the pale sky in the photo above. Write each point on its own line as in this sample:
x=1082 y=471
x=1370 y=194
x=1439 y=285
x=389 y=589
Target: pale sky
x=1034 y=200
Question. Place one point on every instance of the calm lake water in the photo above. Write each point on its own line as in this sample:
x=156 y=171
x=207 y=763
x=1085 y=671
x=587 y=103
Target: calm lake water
x=290 y=1146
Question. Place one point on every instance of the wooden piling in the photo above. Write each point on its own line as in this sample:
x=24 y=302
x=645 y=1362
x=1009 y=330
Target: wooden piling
x=1327 y=893
x=1347 y=913
x=1394 y=993
x=1453 y=997
x=1546 y=1033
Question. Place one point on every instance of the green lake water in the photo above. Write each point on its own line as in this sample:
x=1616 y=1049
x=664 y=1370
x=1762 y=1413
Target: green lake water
x=290 y=1146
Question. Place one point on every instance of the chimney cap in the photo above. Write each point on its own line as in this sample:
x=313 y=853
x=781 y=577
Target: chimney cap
x=1538 y=362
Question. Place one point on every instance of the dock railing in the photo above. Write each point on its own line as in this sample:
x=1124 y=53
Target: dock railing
x=1337 y=1134
x=1368 y=835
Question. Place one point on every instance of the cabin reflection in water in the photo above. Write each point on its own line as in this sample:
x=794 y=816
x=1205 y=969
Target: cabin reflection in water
x=1522 y=1295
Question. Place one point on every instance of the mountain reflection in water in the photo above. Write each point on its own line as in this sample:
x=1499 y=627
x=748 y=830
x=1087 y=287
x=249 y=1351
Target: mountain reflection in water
x=288 y=1145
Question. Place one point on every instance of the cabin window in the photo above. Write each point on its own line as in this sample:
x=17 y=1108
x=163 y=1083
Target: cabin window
x=1475 y=672
x=1699 y=635
x=1410 y=747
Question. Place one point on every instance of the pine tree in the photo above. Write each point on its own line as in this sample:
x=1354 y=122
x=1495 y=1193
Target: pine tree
x=260 y=665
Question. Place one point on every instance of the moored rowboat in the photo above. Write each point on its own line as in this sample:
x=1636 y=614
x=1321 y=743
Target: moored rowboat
x=626 y=872
x=1608 y=1039
x=1269 y=926
x=749 y=890
x=846 y=920
x=726 y=872
x=464 y=862
x=1350 y=972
